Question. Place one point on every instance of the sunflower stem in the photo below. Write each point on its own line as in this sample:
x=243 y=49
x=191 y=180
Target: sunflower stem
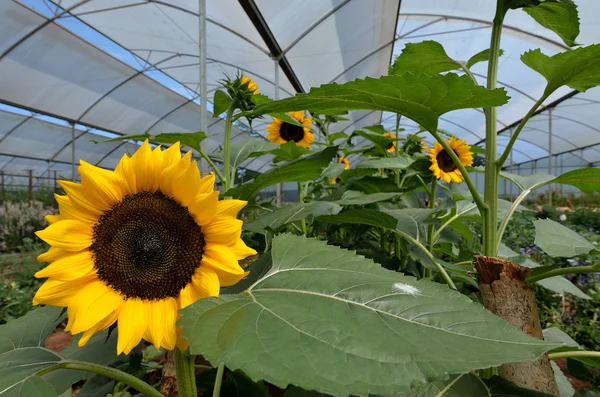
x=557 y=355
x=300 y=201
x=490 y=192
x=186 y=373
x=218 y=380
x=431 y=228
x=226 y=148
x=212 y=165
x=397 y=174
x=564 y=270
x=109 y=372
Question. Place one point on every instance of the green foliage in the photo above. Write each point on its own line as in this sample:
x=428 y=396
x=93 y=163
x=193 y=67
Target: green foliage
x=303 y=169
x=558 y=240
x=424 y=57
x=482 y=56
x=560 y=16
x=422 y=98
x=191 y=139
x=273 y=221
x=578 y=69
x=221 y=103
x=310 y=288
x=243 y=150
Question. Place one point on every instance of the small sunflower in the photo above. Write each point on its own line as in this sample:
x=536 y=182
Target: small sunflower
x=341 y=160
x=391 y=148
x=423 y=146
x=137 y=244
x=282 y=132
x=442 y=165
x=252 y=86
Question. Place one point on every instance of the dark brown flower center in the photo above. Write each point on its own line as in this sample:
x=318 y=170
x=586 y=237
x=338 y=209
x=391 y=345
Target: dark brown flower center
x=291 y=132
x=445 y=161
x=147 y=246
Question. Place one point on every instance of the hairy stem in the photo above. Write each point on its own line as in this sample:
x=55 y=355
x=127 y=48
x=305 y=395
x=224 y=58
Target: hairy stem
x=564 y=270
x=301 y=200
x=431 y=227
x=109 y=372
x=226 y=148
x=397 y=173
x=213 y=166
x=186 y=373
x=492 y=170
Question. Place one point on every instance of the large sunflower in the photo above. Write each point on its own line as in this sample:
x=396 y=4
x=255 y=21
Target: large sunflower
x=391 y=147
x=341 y=160
x=282 y=132
x=137 y=244
x=442 y=165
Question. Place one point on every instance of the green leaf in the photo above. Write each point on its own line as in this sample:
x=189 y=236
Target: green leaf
x=585 y=179
x=482 y=56
x=290 y=213
x=423 y=98
x=257 y=270
x=424 y=57
x=287 y=151
x=399 y=162
x=351 y=197
x=555 y=334
x=560 y=16
x=303 y=169
x=318 y=319
x=578 y=69
x=557 y=284
x=33 y=386
x=368 y=184
x=221 y=102
x=378 y=139
x=333 y=170
x=338 y=135
x=363 y=217
x=500 y=387
x=564 y=385
x=559 y=241
x=242 y=151
x=191 y=139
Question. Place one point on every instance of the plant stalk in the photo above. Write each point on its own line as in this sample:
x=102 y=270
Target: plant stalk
x=397 y=153
x=186 y=373
x=226 y=148
x=109 y=372
x=509 y=215
x=564 y=270
x=431 y=227
x=212 y=165
x=301 y=200
x=492 y=170
x=556 y=356
x=218 y=380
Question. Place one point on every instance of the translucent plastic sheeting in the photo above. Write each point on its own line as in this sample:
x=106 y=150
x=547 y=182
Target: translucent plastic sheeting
x=55 y=72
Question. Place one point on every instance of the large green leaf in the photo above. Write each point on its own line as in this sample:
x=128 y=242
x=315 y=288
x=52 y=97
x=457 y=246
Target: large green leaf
x=560 y=16
x=557 y=284
x=555 y=334
x=290 y=213
x=241 y=151
x=578 y=69
x=422 y=98
x=303 y=169
x=399 y=162
x=191 y=139
x=585 y=179
x=23 y=354
x=328 y=320
x=351 y=197
x=363 y=217
x=564 y=385
x=424 y=57
x=559 y=241
x=221 y=102
x=482 y=56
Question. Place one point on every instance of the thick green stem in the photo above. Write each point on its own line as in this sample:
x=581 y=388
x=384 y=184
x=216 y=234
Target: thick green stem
x=226 y=145
x=218 y=380
x=492 y=170
x=397 y=173
x=301 y=200
x=109 y=372
x=574 y=354
x=564 y=270
x=515 y=134
x=186 y=374
x=431 y=227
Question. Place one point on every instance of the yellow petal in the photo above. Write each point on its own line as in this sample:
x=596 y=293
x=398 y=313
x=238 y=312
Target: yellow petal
x=230 y=207
x=223 y=229
x=221 y=259
x=241 y=250
x=69 y=267
x=207 y=184
x=52 y=218
x=205 y=283
x=204 y=207
x=162 y=315
x=105 y=323
x=299 y=115
x=126 y=170
x=172 y=155
x=91 y=305
x=68 y=234
x=77 y=197
x=185 y=188
x=173 y=173
x=52 y=254
x=307 y=121
x=59 y=293
x=147 y=168
x=102 y=187
x=132 y=324
x=68 y=210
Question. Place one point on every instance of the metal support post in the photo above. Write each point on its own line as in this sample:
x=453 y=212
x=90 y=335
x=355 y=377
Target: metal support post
x=202 y=83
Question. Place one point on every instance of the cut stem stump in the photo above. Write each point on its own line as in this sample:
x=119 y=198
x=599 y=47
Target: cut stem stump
x=505 y=293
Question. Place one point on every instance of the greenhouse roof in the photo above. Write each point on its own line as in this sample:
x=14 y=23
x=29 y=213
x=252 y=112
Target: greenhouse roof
x=100 y=68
